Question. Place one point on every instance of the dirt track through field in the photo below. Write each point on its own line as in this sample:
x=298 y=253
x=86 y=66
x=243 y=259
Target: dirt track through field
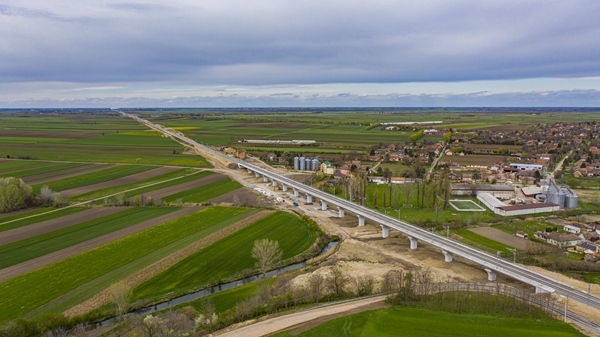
x=47 y=259
x=306 y=319
x=44 y=177
x=500 y=236
x=119 y=181
x=167 y=191
x=48 y=226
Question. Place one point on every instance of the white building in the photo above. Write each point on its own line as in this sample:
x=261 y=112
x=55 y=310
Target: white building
x=527 y=167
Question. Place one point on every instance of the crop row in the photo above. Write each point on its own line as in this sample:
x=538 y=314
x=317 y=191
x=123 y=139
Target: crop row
x=47 y=243
x=205 y=192
x=24 y=293
x=44 y=214
x=94 y=177
x=230 y=256
x=184 y=175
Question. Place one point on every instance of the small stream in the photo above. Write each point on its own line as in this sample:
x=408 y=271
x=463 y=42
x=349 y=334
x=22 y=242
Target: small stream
x=213 y=290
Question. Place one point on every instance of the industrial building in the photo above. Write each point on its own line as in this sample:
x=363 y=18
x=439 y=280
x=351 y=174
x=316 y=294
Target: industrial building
x=498 y=190
x=527 y=167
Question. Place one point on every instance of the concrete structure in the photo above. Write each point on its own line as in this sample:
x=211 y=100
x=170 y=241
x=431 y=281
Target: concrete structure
x=490 y=262
x=527 y=209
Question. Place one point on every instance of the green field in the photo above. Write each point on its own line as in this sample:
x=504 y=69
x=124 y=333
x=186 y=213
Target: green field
x=205 y=192
x=175 y=177
x=35 y=167
x=481 y=241
x=104 y=137
x=228 y=257
x=44 y=286
x=40 y=215
x=40 y=245
x=397 y=321
x=93 y=178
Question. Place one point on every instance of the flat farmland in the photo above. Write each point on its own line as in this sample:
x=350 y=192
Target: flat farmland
x=24 y=293
x=86 y=245
x=493 y=147
x=93 y=138
x=68 y=234
x=227 y=257
x=205 y=192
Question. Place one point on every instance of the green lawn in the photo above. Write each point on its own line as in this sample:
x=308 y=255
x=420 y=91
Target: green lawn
x=29 y=291
x=40 y=245
x=40 y=216
x=93 y=178
x=397 y=321
x=205 y=192
x=228 y=257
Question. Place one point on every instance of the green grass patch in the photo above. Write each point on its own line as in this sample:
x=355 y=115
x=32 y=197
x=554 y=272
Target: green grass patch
x=37 y=168
x=205 y=192
x=40 y=245
x=481 y=240
x=184 y=175
x=41 y=215
x=590 y=277
x=397 y=321
x=27 y=292
x=93 y=178
x=228 y=257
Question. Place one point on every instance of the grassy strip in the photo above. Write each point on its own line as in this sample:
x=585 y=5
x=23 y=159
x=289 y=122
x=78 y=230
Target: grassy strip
x=36 y=168
x=228 y=257
x=36 y=219
x=420 y=322
x=481 y=240
x=24 y=293
x=40 y=245
x=117 y=189
x=93 y=178
x=205 y=192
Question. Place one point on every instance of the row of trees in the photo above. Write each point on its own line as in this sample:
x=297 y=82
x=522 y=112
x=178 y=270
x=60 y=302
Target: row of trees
x=15 y=194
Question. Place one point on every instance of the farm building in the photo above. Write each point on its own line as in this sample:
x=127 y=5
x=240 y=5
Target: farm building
x=498 y=190
x=521 y=234
x=531 y=191
x=527 y=209
x=490 y=201
x=586 y=248
x=563 y=240
x=572 y=229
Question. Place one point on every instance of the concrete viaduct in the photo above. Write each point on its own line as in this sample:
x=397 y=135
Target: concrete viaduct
x=491 y=264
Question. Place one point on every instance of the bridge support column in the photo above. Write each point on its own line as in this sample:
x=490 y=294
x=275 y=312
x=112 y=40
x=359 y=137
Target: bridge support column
x=295 y=192
x=249 y=171
x=385 y=231
x=265 y=179
x=284 y=187
x=323 y=205
x=274 y=182
x=491 y=274
x=361 y=220
x=413 y=242
x=447 y=256
x=256 y=175
x=340 y=212
x=308 y=198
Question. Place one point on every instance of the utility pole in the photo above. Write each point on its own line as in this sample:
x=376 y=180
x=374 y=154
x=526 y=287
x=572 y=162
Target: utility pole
x=514 y=251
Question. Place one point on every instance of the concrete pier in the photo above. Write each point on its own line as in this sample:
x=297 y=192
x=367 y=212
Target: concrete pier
x=284 y=187
x=308 y=198
x=295 y=192
x=385 y=231
x=361 y=220
x=447 y=256
x=323 y=205
x=340 y=212
x=491 y=274
x=413 y=242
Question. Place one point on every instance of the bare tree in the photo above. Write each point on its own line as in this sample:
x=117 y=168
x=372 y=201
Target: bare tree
x=364 y=285
x=337 y=281
x=46 y=195
x=208 y=315
x=316 y=285
x=392 y=281
x=120 y=295
x=267 y=252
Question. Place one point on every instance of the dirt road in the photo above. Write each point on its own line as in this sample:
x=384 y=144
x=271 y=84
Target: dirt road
x=321 y=315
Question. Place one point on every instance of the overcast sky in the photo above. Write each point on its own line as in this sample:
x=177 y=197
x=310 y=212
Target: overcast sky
x=227 y=53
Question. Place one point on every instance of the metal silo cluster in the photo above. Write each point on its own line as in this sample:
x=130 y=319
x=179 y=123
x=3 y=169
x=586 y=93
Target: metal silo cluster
x=306 y=164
